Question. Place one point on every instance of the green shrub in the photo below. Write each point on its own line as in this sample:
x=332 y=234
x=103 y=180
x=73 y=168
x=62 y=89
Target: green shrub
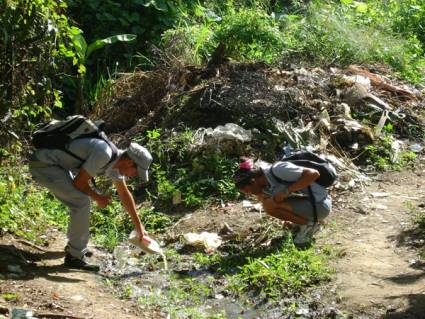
x=189 y=45
x=33 y=51
x=250 y=35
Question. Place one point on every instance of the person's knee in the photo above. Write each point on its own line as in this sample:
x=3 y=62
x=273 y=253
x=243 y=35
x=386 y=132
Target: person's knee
x=80 y=203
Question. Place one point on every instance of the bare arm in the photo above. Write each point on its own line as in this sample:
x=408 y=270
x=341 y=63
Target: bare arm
x=128 y=203
x=81 y=182
x=308 y=176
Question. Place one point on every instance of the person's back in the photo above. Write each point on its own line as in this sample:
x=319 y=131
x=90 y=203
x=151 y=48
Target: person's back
x=66 y=173
x=95 y=153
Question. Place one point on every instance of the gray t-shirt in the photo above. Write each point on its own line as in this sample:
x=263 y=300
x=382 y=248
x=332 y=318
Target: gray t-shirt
x=96 y=154
x=290 y=173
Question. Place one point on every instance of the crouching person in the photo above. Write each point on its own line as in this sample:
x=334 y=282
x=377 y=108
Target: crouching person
x=275 y=187
x=87 y=158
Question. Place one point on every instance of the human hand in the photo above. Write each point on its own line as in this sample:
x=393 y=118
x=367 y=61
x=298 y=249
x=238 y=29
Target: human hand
x=141 y=232
x=280 y=197
x=103 y=201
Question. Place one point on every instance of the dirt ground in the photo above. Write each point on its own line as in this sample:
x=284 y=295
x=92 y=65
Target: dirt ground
x=378 y=273
x=38 y=282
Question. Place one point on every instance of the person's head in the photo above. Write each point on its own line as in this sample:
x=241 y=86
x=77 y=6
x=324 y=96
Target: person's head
x=135 y=162
x=249 y=178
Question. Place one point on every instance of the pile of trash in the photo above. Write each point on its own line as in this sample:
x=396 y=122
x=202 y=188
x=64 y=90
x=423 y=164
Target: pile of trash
x=255 y=109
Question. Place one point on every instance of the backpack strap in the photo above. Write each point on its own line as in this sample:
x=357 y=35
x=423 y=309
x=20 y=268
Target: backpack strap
x=310 y=193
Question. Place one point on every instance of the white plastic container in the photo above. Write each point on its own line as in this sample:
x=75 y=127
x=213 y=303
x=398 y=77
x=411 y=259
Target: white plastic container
x=147 y=244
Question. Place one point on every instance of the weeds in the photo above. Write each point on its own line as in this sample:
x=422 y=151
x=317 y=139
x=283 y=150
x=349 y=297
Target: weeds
x=272 y=274
x=25 y=210
x=112 y=224
x=182 y=299
x=383 y=155
x=197 y=180
x=288 y=270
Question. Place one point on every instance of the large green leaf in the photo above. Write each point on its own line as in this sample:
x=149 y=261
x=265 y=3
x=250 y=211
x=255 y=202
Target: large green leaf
x=79 y=42
x=98 y=44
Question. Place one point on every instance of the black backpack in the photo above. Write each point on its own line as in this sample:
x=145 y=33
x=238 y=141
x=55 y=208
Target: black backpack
x=328 y=174
x=58 y=134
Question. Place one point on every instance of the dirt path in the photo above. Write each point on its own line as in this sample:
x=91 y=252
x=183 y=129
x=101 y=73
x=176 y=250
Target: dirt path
x=379 y=274
x=36 y=280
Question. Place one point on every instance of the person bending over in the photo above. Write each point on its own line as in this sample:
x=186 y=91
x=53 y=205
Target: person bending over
x=67 y=177
x=283 y=190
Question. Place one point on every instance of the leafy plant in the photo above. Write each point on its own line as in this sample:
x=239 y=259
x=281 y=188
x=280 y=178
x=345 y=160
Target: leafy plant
x=197 y=179
x=189 y=44
x=287 y=270
x=25 y=210
x=383 y=156
x=250 y=35
x=83 y=52
x=33 y=50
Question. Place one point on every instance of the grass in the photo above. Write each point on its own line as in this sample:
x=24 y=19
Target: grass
x=270 y=273
x=383 y=155
x=182 y=298
x=289 y=270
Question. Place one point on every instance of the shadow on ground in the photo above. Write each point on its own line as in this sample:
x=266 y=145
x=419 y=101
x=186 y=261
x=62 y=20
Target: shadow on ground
x=19 y=264
x=415 y=310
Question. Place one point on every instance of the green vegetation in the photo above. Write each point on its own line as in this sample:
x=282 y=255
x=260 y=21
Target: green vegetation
x=250 y=35
x=271 y=273
x=182 y=299
x=51 y=63
x=322 y=32
x=384 y=154
x=195 y=179
x=10 y=296
x=25 y=209
x=289 y=270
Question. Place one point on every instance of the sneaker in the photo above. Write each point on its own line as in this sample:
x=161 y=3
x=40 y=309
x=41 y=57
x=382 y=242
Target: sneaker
x=305 y=233
x=88 y=253
x=77 y=263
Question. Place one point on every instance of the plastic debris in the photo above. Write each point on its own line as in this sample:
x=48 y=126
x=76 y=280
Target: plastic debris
x=416 y=148
x=379 y=194
x=206 y=239
x=147 y=244
x=247 y=204
x=18 y=313
x=229 y=138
